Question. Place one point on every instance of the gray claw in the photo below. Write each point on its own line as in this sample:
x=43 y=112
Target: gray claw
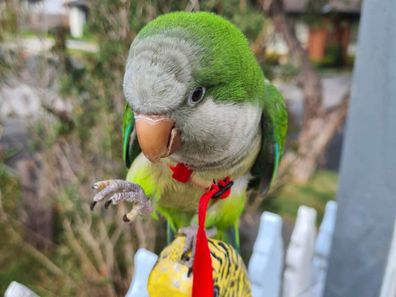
x=190 y=233
x=115 y=191
x=189 y=246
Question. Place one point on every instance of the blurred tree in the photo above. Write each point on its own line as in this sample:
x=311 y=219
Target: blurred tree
x=91 y=256
x=319 y=125
x=8 y=26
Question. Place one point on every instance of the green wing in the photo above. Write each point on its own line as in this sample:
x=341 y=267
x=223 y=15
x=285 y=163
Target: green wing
x=273 y=133
x=130 y=146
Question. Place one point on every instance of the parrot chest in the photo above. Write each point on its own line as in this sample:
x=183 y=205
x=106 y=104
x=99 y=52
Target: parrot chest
x=168 y=193
x=185 y=196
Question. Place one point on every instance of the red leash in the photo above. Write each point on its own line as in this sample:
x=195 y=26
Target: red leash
x=202 y=266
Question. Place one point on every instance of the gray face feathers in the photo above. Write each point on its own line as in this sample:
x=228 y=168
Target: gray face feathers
x=159 y=80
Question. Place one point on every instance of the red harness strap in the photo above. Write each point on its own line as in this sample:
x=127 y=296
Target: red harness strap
x=202 y=266
x=181 y=172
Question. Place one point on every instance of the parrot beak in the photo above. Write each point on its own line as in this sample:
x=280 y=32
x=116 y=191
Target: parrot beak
x=157 y=136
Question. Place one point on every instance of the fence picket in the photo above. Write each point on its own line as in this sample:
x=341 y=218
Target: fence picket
x=266 y=262
x=144 y=263
x=306 y=258
x=322 y=249
x=299 y=255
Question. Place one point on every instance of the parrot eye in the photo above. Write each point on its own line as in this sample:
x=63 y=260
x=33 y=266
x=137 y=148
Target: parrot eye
x=196 y=95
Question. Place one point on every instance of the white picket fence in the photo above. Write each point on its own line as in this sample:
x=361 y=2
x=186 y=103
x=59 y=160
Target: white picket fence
x=304 y=270
x=302 y=275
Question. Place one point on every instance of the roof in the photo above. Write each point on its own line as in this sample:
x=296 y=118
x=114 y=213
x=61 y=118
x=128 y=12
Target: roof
x=342 y=6
x=78 y=3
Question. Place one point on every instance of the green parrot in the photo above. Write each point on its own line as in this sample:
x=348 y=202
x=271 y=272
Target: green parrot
x=196 y=96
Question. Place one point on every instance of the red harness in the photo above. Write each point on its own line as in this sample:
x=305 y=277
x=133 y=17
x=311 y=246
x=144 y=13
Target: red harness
x=202 y=266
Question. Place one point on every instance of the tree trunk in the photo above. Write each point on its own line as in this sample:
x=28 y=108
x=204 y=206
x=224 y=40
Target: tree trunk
x=308 y=79
x=318 y=126
x=313 y=142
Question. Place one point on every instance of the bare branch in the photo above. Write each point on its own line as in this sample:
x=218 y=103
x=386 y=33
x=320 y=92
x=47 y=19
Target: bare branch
x=309 y=79
x=43 y=259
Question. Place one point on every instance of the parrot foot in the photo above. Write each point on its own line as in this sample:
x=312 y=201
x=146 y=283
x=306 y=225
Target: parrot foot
x=188 y=253
x=116 y=190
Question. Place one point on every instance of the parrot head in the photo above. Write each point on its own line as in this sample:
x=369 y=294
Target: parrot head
x=194 y=91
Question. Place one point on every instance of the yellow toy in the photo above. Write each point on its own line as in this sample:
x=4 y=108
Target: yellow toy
x=171 y=277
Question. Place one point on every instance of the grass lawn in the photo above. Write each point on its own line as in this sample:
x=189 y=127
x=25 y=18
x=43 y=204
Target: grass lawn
x=315 y=193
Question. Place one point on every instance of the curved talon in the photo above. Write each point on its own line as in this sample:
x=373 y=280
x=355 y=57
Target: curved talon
x=107 y=204
x=189 y=245
x=190 y=270
x=185 y=257
x=92 y=206
x=188 y=260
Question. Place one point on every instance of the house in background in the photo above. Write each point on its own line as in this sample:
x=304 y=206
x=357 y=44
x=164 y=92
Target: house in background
x=325 y=26
x=78 y=14
x=45 y=15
